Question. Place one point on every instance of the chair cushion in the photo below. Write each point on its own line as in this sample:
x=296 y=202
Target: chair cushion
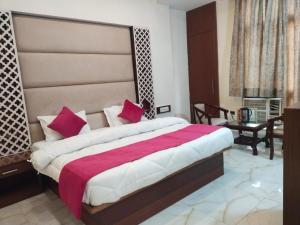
x=215 y=121
x=218 y=121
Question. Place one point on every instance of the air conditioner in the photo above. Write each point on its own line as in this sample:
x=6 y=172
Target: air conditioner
x=266 y=108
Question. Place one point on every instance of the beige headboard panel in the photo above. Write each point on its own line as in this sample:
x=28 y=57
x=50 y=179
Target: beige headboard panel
x=83 y=65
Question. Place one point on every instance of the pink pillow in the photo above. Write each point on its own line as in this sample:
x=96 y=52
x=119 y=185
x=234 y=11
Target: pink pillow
x=131 y=112
x=67 y=123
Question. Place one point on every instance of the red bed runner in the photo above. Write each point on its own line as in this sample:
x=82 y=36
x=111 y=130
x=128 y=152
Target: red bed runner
x=75 y=175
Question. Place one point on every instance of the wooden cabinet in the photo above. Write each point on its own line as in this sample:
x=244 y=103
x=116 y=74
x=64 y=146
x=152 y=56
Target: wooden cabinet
x=18 y=181
x=203 y=55
x=291 y=190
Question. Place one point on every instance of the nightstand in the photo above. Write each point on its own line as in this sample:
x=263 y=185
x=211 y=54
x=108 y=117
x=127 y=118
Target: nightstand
x=18 y=180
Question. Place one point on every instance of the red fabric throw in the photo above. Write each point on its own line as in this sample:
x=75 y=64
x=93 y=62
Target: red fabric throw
x=75 y=175
x=131 y=112
x=67 y=123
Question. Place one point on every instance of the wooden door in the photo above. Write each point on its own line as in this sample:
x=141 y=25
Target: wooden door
x=291 y=166
x=203 y=55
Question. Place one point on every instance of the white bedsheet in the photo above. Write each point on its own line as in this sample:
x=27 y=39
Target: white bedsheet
x=120 y=181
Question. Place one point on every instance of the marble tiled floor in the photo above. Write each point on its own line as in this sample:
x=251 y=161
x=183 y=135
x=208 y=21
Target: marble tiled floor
x=250 y=193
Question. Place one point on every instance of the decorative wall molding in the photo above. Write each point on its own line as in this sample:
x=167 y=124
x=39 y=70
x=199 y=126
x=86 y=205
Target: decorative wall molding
x=14 y=129
x=143 y=64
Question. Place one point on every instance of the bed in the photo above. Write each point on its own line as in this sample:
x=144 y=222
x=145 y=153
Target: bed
x=90 y=66
x=132 y=192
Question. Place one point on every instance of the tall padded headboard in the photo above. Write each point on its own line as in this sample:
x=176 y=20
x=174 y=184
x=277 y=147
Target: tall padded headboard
x=84 y=65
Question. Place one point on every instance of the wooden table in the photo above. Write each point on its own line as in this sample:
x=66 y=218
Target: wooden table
x=18 y=179
x=253 y=128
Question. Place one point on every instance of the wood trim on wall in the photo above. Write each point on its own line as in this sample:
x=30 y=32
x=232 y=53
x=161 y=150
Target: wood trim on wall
x=134 y=63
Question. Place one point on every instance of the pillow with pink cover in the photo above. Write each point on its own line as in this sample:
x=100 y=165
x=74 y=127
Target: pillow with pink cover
x=67 y=123
x=131 y=112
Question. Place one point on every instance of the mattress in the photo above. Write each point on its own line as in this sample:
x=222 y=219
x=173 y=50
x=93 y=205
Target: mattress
x=113 y=184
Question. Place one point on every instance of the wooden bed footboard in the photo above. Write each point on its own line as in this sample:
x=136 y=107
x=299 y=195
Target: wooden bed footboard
x=141 y=205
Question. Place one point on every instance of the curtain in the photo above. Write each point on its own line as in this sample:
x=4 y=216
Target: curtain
x=292 y=90
x=259 y=55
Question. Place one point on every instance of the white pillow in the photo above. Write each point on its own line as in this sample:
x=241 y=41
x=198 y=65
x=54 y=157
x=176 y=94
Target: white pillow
x=52 y=135
x=112 y=113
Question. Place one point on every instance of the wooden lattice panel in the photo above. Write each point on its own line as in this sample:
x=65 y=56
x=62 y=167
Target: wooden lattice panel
x=144 y=68
x=14 y=131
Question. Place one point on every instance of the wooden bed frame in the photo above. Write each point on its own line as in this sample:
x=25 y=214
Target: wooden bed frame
x=140 y=205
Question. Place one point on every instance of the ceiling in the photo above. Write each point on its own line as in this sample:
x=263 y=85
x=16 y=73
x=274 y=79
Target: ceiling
x=185 y=5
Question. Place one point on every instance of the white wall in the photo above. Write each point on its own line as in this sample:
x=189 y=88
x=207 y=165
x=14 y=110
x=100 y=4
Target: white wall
x=180 y=62
x=144 y=13
x=225 y=19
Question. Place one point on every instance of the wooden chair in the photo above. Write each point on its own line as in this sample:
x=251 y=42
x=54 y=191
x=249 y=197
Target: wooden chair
x=201 y=116
x=274 y=132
